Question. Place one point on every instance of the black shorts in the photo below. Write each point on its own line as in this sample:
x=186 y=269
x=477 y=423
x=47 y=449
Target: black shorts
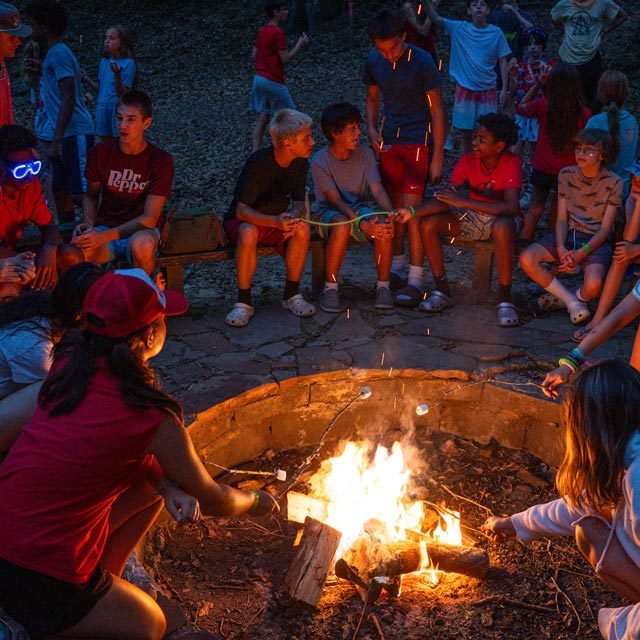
x=44 y=605
x=544 y=181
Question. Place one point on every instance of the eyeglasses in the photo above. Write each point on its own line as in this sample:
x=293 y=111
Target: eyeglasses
x=587 y=151
x=22 y=170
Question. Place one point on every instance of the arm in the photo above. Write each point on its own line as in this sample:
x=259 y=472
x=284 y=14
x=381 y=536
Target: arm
x=617 y=21
x=177 y=456
x=67 y=92
x=599 y=238
x=285 y=222
x=372 y=107
x=287 y=56
x=117 y=77
x=87 y=80
x=620 y=623
x=46 y=258
x=411 y=16
x=510 y=206
x=562 y=226
x=504 y=74
x=432 y=13
x=524 y=23
x=434 y=100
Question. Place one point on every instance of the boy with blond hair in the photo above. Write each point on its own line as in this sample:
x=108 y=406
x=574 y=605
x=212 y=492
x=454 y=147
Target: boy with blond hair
x=266 y=210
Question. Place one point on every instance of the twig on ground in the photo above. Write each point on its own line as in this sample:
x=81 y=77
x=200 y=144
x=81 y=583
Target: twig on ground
x=364 y=610
x=246 y=626
x=460 y=497
x=376 y=623
x=514 y=603
x=568 y=600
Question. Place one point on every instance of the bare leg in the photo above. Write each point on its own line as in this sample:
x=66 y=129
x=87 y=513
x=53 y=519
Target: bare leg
x=430 y=229
x=383 y=252
x=246 y=254
x=143 y=246
x=503 y=233
x=536 y=209
x=297 y=250
x=258 y=131
x=336 y=248
x=594 y=275
x=416 y=253
x=399 y=230
x=618 y=571
x=68 y=256
x=531 y=260
x=634 y=361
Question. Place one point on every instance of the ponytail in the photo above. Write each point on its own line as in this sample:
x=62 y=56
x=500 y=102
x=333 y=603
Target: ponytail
x=613 y=119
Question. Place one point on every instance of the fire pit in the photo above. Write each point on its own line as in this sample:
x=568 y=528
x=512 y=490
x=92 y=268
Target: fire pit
x=238 y=577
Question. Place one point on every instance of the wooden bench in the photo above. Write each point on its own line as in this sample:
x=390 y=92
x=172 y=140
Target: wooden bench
x=173 y=265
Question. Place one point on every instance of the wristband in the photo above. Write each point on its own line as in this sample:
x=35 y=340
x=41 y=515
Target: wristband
x=577 y=355
x=256 y=500
x=587 y=248
x=567 y=362
x=164 y=485
x=413 y=212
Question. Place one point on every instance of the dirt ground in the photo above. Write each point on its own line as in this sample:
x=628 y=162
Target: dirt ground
x=228 y=574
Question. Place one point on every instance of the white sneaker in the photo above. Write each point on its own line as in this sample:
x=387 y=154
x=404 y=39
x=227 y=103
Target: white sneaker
x=299 y=306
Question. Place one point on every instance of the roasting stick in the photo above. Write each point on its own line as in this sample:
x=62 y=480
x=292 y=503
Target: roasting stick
x=278 y=474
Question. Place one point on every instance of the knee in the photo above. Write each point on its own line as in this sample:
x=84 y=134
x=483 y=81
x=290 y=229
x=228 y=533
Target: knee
x=155 y=626
x=429 y=225
x=68 y=256
x=503 y=229
x=247 y=235
x=340 y=234
x=591 y=289
x=527 y=260
x=143 y=244
x=303 y=231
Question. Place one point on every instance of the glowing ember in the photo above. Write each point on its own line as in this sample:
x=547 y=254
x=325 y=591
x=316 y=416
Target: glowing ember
x=367 y=491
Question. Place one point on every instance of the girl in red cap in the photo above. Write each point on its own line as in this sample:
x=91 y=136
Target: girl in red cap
x=82 y=484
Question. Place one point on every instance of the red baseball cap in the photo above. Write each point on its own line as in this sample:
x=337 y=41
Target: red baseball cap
x=124 y=301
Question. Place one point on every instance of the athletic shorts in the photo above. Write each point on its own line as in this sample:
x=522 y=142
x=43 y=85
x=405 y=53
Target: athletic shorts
x=356 y=234
x=267 y=236
x=404 y=169
x=468 y=105
x=268 y=96
x=477 y=226
x=106 y=119
x=121 y=249
x=544 y=181
x=44 y=605
x=575 y=240
x=68 y=171
x=527 y=128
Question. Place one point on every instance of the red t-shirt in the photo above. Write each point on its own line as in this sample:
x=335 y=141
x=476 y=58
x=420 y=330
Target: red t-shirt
x=270 y=40
x=6 y=105
x=488 y=185
x=16 y=213
x=426 y=43
x=127 y=180
x=62 y=476
x=544 y=158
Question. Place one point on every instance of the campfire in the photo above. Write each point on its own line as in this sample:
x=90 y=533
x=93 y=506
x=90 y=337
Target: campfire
x=362 y=522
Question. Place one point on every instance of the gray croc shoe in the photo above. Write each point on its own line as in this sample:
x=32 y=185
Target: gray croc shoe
x=384 y=298
x=507 y=315
x=330 y=301
x=239 y=315
x=436 y=302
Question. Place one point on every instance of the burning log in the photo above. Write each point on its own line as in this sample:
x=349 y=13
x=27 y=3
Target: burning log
x=457 y=559
x=309 y=568
x=373 y=559
x=301 y=506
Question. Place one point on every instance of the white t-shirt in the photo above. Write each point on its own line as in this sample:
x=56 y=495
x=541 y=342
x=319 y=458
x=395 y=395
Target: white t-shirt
x=25 y=354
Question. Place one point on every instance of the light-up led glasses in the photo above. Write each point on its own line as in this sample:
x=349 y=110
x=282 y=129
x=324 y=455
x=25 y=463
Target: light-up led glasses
x=22 y=170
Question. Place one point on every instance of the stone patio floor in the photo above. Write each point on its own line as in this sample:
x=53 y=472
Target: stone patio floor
x=205 y=362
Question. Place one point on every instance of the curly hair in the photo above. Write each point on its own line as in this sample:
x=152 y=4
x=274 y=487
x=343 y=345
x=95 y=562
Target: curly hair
x=501 y=127
x=563 y=91
x=13 y=137
x=50 y=13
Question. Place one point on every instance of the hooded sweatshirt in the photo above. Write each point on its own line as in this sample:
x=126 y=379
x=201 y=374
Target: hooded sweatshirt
x=559 y=518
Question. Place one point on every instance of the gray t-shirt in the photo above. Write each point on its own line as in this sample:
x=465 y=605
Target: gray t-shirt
x=25 y=354
x=588 y=198
x=352 y=178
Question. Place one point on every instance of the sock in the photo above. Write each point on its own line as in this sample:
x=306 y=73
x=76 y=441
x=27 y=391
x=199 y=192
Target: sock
x=504 y=293
x=580 y=296
x=290 y=289
x=382 y=283
x=397 y=264
x=330 y=285
x=560 y=291
x=415 y=276
x=442 y=285
x=244 y=296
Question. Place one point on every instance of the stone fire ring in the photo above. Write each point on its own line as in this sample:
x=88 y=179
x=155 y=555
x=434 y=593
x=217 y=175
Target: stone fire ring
x=293 y=413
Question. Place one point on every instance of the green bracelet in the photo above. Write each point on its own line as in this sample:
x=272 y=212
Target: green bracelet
x=587 y=248
x=256 y=500
x=413 y=212
x=567 y=362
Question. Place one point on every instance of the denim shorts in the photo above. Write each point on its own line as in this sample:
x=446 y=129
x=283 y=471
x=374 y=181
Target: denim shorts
x=268 y=96
x=106 y=119
x=356 y=234
x=120 y=249
x=575 y=240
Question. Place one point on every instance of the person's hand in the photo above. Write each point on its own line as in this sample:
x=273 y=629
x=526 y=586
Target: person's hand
x=554 y=379
x=266 y=504
x=89 y=240
x=408 y=10
x=181 y=506
x=451 y=197
x=303 y=41
x=513 y=66
x=504 y=96
x=46 y=269
x=435 y=171
x=287 y=223
x=117 y=71
x=84 y=76
x=564 y=258
x=626 y=251
x=81 y=229
x=507 y=8
x=498 y=529
x=378 y=230
x=572 y=259
x=160 y=281
x=20 y=268
x=401 y=216
x=376 y=141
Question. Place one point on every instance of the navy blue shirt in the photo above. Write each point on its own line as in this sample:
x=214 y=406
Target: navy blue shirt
x=404 y=89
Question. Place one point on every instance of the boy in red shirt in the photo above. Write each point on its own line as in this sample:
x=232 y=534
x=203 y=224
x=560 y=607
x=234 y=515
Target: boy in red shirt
x=128 y=182
x=491 y=210
x=269 y=93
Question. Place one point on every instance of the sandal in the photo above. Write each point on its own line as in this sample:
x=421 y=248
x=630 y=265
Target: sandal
x=436 y=302
x=507 y=314
x=408 y=296
x=396 y=282
x=298 y=306
x=580 y=334
x=549 y=302
x=239 y=315
x=578 y=312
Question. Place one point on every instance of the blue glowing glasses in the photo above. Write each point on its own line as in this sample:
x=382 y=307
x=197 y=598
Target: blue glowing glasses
x=22 y=170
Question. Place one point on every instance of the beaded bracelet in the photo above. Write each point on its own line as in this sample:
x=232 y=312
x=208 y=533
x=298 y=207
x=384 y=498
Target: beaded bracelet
x=567 y=362
x=587 y=248
x=256 y=500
